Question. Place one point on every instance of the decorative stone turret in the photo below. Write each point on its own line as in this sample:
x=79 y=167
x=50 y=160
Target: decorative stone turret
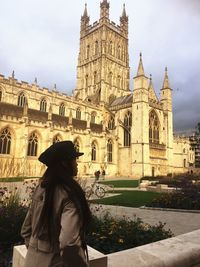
x=85 y=19
x=152 y=93
x=104 y=11
x=124 y=22
x=140 y=121
x=140 y=71
x=166 y=93
x=166 y=100
x=140 y=84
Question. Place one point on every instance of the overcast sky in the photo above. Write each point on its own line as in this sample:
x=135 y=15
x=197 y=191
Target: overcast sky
x=40 y=38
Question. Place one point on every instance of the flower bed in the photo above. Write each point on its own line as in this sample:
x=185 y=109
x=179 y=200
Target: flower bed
x=109 y=235
x=176 y=181
x=176 y=200
x=187 y=196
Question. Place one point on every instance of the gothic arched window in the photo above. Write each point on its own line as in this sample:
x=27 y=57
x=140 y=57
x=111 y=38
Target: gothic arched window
x=21 y=99
x=43 y=105
x=86 y=81
x=56 y=139
x=184 y=163
x=95 y=77
x=88 y=51
x=110 y=77
x=111 y=123
x=123 y=53
x=96 y=50
x=127 y=128
x=77 y=145
x=78 y=114
x=119 y=81
x=119 y=52
x=62 y=109
x=109 y=151
x=5 y=141
x=153 y=128
x=94 y=152
x=93 y=117
x=111 y=47
x=32 y=145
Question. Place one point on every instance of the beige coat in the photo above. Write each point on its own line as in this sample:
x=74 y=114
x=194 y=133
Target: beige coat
x=67 y=251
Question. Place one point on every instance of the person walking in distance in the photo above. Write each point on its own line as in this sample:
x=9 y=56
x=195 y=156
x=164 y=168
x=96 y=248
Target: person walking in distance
x=56 y=222
x=97 y=174
x=103 y=174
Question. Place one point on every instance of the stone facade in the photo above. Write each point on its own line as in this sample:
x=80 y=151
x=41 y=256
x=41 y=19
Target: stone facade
x=124 y=132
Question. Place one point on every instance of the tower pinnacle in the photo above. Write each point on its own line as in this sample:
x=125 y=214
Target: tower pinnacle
x=104 y=9
x=124 y=12
x=166 y=80
x=150 y=82
x=84 y=19
x=85 y=14
x=140 y=71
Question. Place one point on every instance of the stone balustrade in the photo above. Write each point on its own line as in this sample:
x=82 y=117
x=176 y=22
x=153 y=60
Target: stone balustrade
x=179 y=251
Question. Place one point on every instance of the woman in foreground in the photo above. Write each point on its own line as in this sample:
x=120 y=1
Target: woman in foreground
x=55 y=225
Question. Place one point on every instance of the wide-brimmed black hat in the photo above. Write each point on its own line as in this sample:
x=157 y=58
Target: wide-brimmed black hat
x=60 y=151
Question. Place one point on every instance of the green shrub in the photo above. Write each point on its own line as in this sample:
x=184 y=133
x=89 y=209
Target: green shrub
x=175 y=201
x=109 y=235
x=186 y=197
x=12 y=214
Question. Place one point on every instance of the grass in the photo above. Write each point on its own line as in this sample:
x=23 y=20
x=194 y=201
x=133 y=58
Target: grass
x=122 y=183
x=129 y=199
x=14 y=179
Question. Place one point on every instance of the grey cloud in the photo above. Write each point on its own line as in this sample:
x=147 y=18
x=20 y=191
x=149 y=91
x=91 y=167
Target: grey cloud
x=41 y=38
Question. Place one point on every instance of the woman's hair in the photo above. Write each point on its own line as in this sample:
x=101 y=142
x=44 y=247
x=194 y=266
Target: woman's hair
x=61 y=175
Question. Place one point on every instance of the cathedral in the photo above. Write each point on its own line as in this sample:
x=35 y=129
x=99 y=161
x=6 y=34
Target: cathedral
x=121 y=130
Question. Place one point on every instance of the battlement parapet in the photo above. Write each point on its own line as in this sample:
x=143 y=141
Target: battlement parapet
x=111 y=24
x=33 y=87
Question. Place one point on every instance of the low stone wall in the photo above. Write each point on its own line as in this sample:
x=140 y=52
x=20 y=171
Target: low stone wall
x=180 y=251
x=97 y=259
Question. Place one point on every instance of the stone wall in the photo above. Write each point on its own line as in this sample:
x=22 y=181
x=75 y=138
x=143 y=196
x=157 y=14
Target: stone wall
x=97 y=259
x=180 y=251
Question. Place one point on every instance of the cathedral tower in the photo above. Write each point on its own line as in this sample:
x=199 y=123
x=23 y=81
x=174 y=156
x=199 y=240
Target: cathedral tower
x=103 y=61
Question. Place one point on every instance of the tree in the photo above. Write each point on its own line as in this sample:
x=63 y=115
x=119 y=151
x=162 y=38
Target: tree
x=198 y=128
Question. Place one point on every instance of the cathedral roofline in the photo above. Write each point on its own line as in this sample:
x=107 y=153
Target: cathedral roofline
x=31 y=86
x=96 y=25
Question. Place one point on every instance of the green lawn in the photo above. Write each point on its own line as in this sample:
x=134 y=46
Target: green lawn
x=128 y=199
x=121 y=183
x=15 y=179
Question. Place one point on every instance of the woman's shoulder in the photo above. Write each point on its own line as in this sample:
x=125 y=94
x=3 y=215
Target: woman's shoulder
x=61 y=191
x=38 y=192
